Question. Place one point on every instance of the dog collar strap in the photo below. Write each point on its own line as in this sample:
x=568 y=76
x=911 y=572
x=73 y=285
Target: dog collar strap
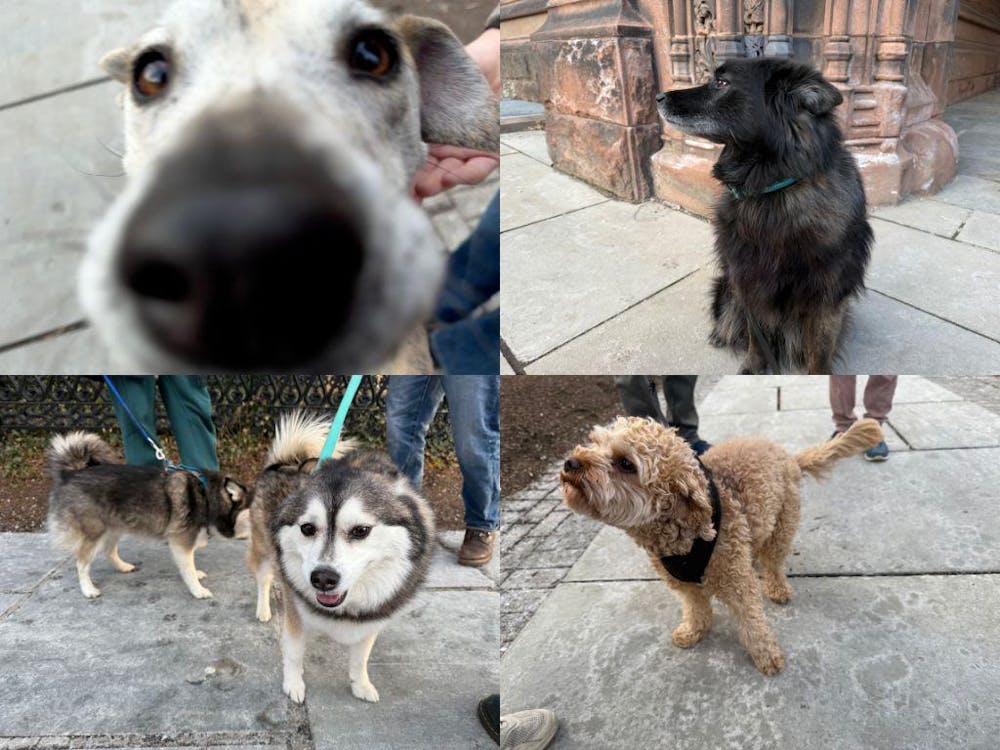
x=690 y=567
x=772 y=188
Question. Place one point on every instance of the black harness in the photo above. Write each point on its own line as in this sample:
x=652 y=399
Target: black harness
x=690 y=567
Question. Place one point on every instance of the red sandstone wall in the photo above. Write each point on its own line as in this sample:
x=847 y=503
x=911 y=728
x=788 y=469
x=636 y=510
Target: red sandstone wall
x=975 y=66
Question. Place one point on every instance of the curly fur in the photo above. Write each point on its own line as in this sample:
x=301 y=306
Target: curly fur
x=642 y=477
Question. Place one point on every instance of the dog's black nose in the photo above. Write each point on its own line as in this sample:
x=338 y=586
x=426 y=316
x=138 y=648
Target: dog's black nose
x=661 y=97
x=324 y=579
x=572 y=465
x=242 y=276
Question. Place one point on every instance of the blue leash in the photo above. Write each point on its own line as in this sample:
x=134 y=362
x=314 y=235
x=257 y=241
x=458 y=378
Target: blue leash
x=161 y=455
x=338 y=421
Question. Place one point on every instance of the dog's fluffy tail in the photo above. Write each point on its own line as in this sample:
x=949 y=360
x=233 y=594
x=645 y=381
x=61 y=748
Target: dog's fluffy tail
x=74 y=451
x=299 y=437
x=862 y=435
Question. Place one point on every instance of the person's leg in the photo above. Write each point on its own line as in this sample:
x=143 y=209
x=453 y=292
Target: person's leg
x=879 y=391
x=189 y=409
x=678 y=390
x=639 y=397
x=410 y=406
x=842 y=389
x=139 y=393
x=470 y=346
x=474 y=413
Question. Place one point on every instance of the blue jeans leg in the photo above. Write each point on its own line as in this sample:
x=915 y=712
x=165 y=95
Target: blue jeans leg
x=410 y=406
x=474 y=412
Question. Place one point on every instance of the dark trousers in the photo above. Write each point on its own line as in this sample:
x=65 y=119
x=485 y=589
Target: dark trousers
x=638 y=395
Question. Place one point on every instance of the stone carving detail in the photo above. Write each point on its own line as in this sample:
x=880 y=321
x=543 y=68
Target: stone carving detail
x=753 y=28
x=704 y=46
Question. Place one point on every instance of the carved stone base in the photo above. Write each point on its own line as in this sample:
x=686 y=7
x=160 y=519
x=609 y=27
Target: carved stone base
x=605 y=154
x=682 y=175
x=934 y=147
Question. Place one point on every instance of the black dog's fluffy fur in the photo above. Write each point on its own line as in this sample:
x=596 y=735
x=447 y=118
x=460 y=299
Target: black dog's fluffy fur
x=791 y=259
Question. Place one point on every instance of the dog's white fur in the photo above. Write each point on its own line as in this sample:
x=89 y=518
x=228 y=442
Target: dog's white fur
x=227 y=52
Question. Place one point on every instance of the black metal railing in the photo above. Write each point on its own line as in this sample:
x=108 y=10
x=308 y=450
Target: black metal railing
x=56 y=403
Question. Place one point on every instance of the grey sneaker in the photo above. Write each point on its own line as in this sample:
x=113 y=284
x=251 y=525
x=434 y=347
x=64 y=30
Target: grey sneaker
x=879 y=453
x=528 y=730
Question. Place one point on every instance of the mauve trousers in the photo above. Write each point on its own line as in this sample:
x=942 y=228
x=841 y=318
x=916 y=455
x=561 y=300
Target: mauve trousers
x=878 y=398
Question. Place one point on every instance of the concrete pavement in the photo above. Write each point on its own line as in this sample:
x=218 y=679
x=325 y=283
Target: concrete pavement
x=60 y=129
x=594 y=285
x=147 y=666
x=891 y=640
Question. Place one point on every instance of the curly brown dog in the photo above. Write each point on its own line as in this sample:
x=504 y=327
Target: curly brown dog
x=703 y=523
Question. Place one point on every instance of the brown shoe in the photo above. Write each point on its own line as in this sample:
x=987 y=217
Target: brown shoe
x=477 y=547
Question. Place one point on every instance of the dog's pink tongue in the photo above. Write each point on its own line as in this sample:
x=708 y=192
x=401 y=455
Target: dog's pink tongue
x=329 y=600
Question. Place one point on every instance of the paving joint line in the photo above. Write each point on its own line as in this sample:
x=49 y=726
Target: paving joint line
x=932 y=314
x=55 y=92
x=554 y=216
x=30 y=592
x=78 y=325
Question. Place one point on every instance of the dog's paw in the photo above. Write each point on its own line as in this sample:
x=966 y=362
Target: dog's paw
x=91 y=591
x=769 y=662
x=264 y=612
x=126 y=567
x=365 y=691
x=686 y=636
x=779 y=593
x=201 y=593
x=295 y=689
x=201 y=574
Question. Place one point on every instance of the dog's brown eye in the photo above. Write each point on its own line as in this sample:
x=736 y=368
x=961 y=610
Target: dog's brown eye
x=307 y=529
x=624 y=465
x=360 y=532
x=721 y=83
x=151 y=75
x=373 y=52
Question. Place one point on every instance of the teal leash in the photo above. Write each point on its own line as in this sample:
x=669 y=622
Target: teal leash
x=772 y=188
x=338 y=421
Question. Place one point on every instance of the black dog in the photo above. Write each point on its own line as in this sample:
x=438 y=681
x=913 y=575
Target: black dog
x=791 y=234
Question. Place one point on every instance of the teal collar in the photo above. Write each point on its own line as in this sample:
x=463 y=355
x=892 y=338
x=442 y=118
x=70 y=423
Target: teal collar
x=772 y=188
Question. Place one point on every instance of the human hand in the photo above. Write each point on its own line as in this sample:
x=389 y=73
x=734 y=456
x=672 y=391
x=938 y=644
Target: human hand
x=448 y=166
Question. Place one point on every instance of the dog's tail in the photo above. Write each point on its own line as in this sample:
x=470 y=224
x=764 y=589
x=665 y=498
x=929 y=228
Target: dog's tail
x=818 y=460
x=74 y=451
x=299 y=438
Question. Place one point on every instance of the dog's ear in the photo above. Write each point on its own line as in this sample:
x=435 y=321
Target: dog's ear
x=118 y=64
x=808 y=90
x=457 y=107
x=236 y=491
x=700 y=506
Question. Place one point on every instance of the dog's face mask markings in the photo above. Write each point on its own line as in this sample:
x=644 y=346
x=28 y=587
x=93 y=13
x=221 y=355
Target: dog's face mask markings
x=267 y=222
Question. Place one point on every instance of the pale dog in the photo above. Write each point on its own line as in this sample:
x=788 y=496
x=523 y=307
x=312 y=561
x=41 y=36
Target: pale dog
x=267 y=224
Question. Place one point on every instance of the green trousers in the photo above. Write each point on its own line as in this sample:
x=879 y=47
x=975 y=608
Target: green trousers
x=189 y=410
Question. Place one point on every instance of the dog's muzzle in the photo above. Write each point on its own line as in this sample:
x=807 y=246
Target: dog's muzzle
x=238 y=249
x=325 y=581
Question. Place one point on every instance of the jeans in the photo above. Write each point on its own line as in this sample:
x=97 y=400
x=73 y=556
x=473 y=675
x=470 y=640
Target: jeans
x=467 y=344
x=474 y=413
x=189 y=410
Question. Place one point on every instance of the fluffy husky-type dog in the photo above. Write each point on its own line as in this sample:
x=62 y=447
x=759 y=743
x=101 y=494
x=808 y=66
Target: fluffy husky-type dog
x=350 y=545
x=267 y=222
x=791 y=232
x=96 y=499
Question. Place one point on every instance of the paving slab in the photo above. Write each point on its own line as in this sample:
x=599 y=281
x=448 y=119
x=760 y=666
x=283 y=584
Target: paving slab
x=135 y=659
x=666 y=333
x=445 y=573
x=871 y=662
x=530 y=143
x=208 y=666
x=815 y=394
x=27 y=559
x=932 y=216
x=77 y=34
x=867 y=519
x=982 y=229
x=972 y=192
x=906 y=261
x=949 y=425
x=533 y=192
x=51 y=198
x=792 y=430
x=64 y=354
x=431 y=669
